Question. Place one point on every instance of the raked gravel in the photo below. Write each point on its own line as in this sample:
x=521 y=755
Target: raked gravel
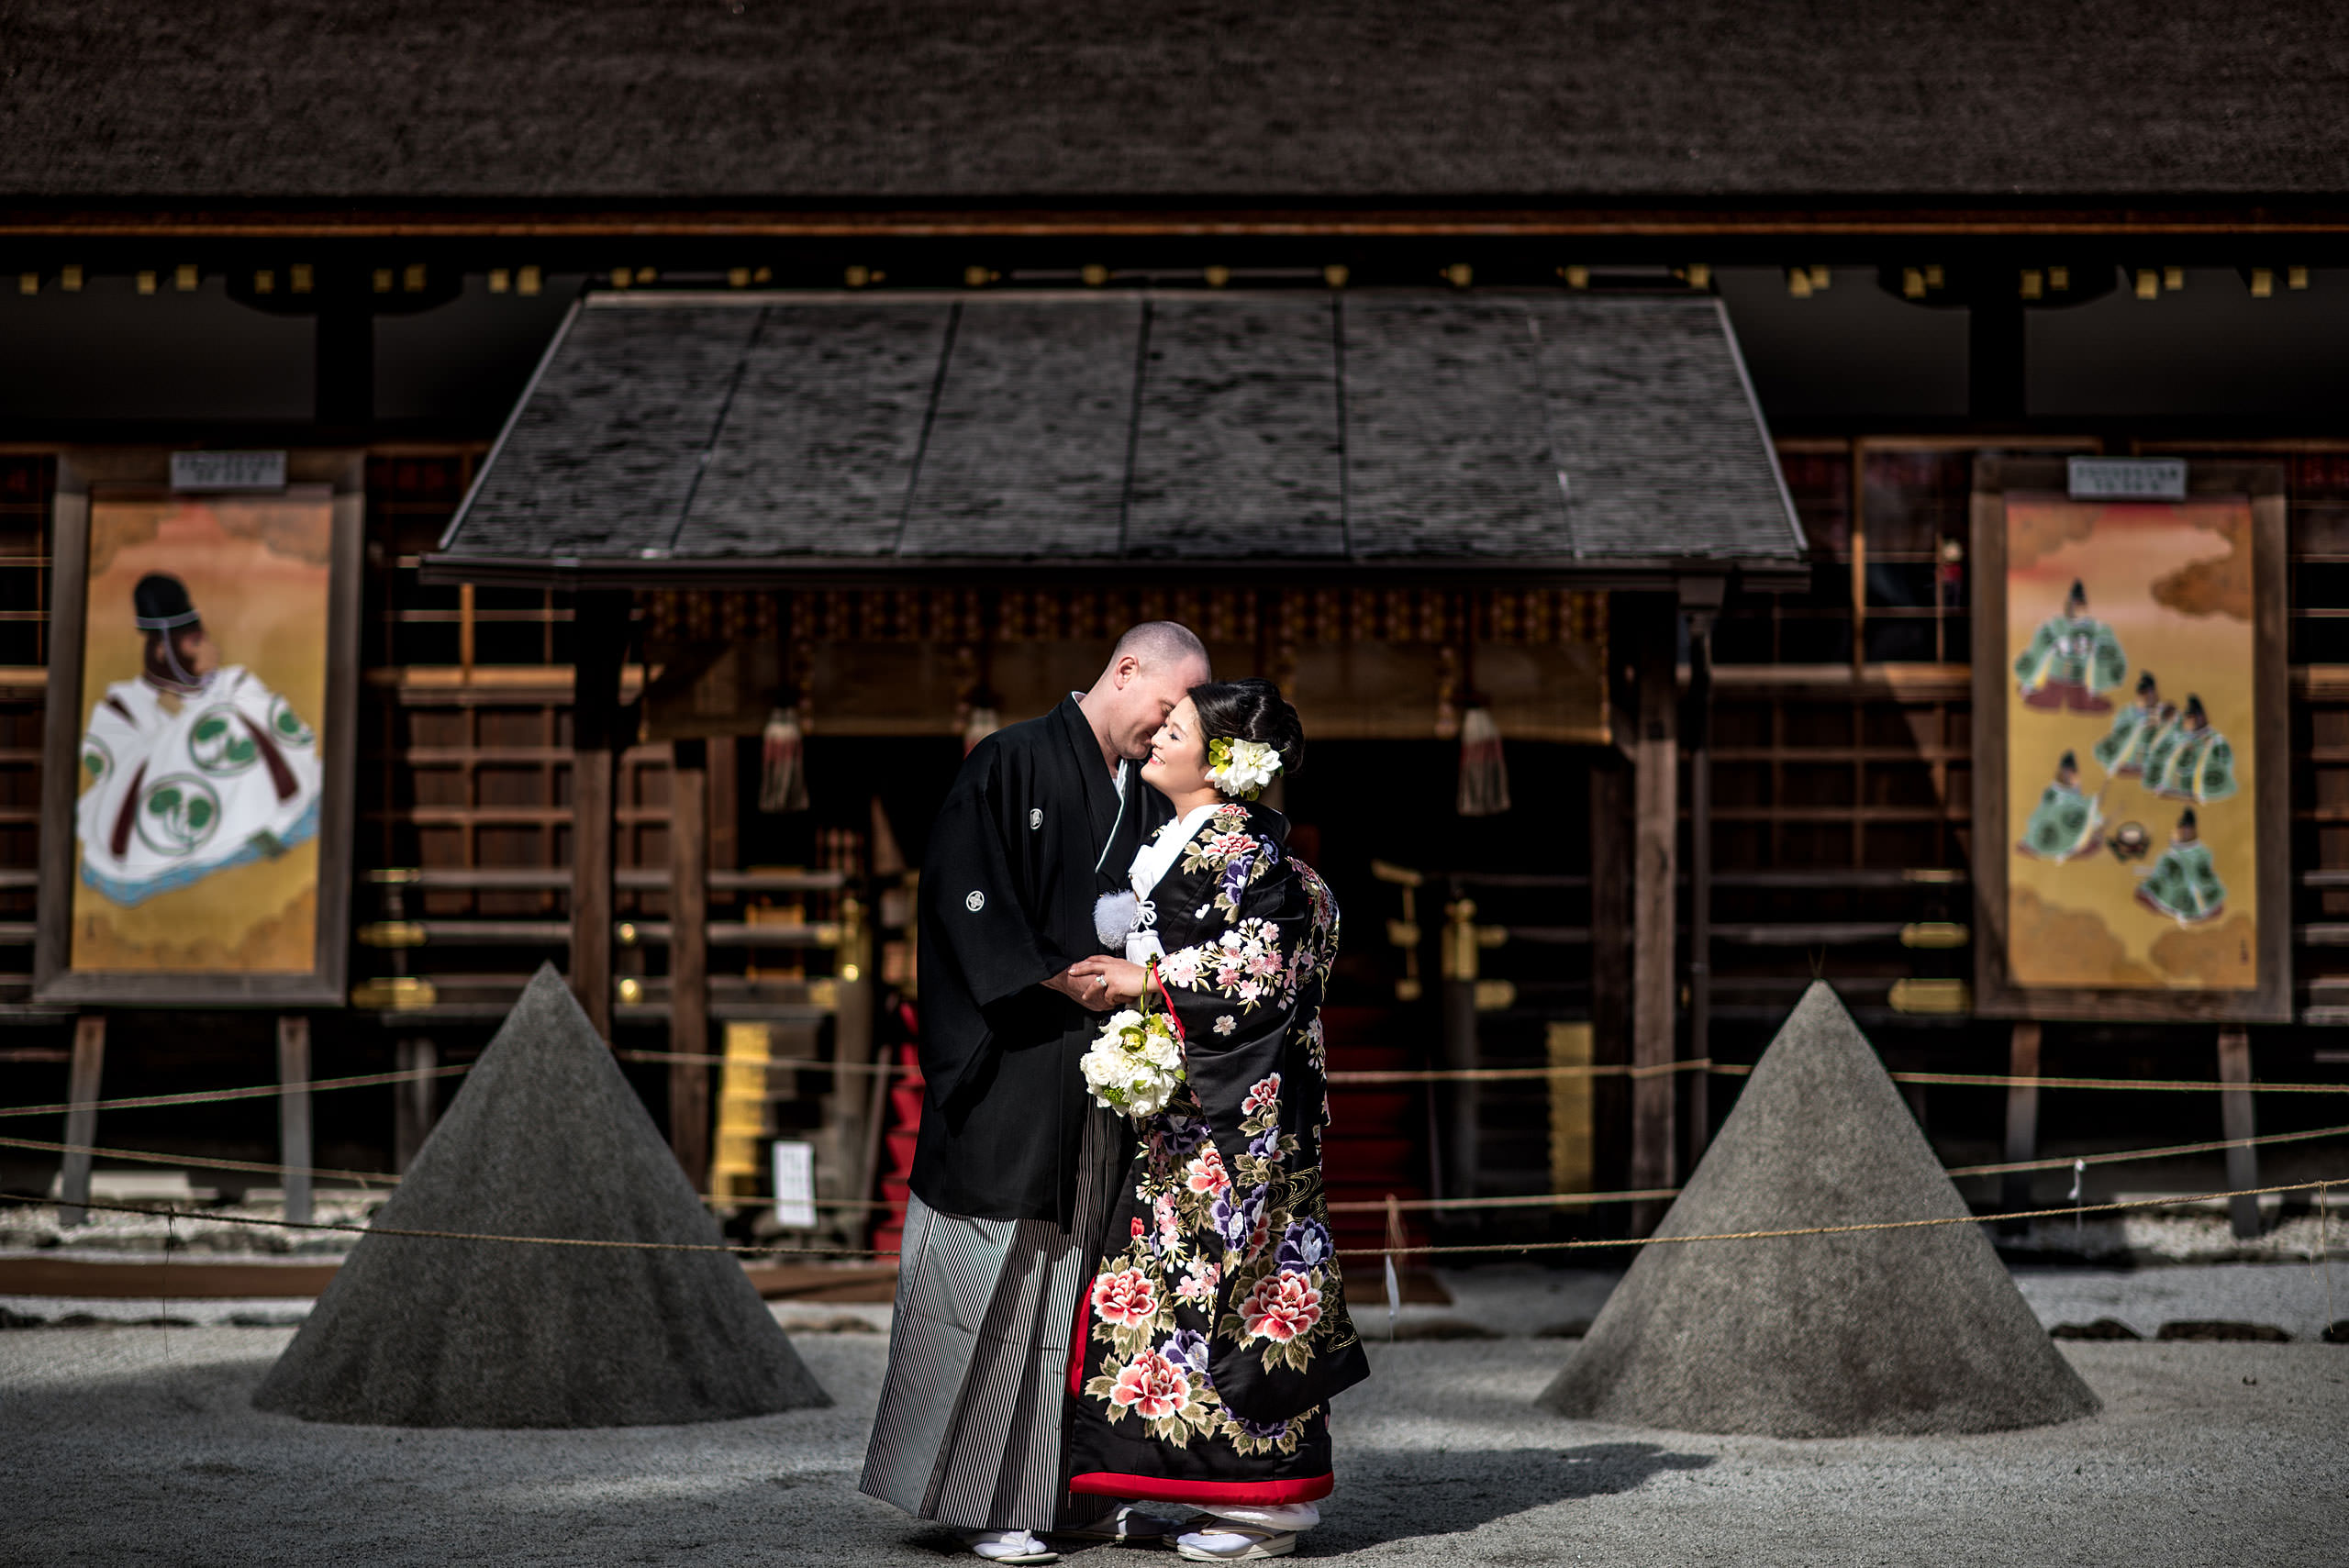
x=140 y=1445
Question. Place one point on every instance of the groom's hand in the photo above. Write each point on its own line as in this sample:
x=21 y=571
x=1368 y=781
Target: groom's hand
x=1087 y=991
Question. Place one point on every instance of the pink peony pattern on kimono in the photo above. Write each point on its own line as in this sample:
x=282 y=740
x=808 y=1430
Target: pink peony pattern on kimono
x=1205 y=1173
x=1124 y=1298
x=1263 y=1096
x=1152 y=1387
x=1282 y=1306
x=1199 y=1285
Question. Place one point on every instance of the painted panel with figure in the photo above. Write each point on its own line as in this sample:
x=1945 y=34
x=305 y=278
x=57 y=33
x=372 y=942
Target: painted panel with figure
x=203 y=687
x=2129 y=810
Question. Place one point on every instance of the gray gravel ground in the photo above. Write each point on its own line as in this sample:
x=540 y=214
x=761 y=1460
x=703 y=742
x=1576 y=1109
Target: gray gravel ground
x=140 y=1446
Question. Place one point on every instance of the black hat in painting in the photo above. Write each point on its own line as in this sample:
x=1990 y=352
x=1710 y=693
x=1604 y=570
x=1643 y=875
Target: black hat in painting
x=2078 y=594
x=2194 y=709
x=159 y=602
x=2186 y=823
x=2071 y=763
x=2145 y=682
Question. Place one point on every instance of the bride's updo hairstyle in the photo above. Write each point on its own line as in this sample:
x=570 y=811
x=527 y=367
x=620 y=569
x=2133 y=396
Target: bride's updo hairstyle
x=1252 y=709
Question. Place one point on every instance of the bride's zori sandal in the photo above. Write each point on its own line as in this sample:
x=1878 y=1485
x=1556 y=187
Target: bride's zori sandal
x=1224 y=1541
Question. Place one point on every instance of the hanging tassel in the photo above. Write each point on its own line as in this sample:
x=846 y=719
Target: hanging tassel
x=782 y=763
x=1483 y=776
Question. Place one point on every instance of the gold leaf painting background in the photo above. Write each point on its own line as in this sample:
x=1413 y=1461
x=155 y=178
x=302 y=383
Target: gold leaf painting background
x=2173 y=580
x=257 y=572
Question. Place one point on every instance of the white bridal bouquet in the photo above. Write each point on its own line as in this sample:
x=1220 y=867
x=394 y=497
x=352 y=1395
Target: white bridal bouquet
x=1135 y=1064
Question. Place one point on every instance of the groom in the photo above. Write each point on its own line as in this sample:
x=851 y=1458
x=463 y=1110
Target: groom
x=1012 y=1173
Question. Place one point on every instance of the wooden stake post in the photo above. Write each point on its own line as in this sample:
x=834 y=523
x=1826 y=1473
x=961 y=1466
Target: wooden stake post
x=2236 y=1120
x=82 y=1122
x=2022 y=1114
x=294 y=1114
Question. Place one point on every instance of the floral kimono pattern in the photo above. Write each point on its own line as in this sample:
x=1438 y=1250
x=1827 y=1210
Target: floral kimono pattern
x=1215 y=1328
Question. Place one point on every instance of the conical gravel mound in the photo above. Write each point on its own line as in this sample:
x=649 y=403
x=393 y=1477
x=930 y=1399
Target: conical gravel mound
x=545 y=1138
x=1872 y=1332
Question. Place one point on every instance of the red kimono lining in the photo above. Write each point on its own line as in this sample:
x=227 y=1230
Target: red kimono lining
x=1159 y=1489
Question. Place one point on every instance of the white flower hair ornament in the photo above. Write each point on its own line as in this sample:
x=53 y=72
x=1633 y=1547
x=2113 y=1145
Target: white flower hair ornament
x=1242 y=769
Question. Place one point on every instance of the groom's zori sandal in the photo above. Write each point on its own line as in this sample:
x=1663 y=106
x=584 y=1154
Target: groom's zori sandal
x=1009 y=1546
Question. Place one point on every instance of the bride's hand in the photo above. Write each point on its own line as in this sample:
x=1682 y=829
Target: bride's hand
x=1122 y=981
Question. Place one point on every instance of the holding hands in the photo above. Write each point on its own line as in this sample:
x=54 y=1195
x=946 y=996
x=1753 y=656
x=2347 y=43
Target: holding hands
x=1103 y=982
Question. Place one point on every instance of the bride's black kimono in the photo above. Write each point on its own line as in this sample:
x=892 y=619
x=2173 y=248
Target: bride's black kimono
x=1215 y=1328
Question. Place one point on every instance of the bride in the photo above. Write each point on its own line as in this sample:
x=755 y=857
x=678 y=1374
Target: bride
x=1215 y=1328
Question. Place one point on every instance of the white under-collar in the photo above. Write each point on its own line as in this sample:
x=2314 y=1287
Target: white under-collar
x=1154 y=859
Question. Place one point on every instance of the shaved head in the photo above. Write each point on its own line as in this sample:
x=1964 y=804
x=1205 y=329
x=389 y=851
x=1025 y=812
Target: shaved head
x=1154 y=665
x=1157 y=644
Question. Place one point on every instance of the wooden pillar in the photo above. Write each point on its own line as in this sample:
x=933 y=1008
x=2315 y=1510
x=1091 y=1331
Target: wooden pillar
x=2236 y=1118
x=1700 y=602
x=2022 y=1114
x=294 y=1142
x=690 y=957
x=599 y=647
x=1610 y=964
x=725 y=820
x=416 y=1103
x=82 y=1122
x=1655 y=855
x=1462 y=1132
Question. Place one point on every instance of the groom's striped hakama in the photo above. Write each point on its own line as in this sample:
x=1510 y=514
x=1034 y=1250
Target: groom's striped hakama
x=970 y=1430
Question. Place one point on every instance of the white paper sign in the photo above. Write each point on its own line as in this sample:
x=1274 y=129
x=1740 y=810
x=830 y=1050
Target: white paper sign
x=2127 y=478
x=795 y=1184
x=227 y=470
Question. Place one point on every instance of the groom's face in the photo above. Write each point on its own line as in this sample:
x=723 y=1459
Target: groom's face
x=1145 y=695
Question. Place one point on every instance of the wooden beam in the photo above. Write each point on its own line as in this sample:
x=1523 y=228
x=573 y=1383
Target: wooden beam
x=293 y=1141
x=2236 y=1120
x=82 y=1122
x=2023 y=1114
x=690 y=957
x=599 y=638
x=725 y=820
x=1655 y=791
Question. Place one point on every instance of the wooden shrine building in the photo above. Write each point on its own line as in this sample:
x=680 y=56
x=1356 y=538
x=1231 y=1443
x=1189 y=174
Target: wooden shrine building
x=1651 y=382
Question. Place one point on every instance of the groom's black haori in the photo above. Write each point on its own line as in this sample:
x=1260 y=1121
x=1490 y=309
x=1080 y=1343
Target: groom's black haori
x=1033 y=831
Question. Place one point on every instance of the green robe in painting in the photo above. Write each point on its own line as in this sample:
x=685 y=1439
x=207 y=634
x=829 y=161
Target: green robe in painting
x=2122 y=752
x=2162 y=742
x=2199 y=767
x=2064 y=825
x=2082 y=655
x=2184 y=884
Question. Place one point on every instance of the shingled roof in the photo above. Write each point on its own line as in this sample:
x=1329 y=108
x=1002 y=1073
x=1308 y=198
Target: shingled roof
x=671 y=435
x=767 y=102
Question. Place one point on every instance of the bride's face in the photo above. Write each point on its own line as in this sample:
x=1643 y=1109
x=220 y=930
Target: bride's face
x=1179 y=754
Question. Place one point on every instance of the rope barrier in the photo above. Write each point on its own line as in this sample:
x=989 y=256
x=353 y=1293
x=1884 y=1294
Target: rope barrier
x=1855 y=1227
x=383 y=1180
x=1643 y=1194
x=1340 y=1078
x=257 y=1092
x=205 y=1161
x=1844 y=1229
